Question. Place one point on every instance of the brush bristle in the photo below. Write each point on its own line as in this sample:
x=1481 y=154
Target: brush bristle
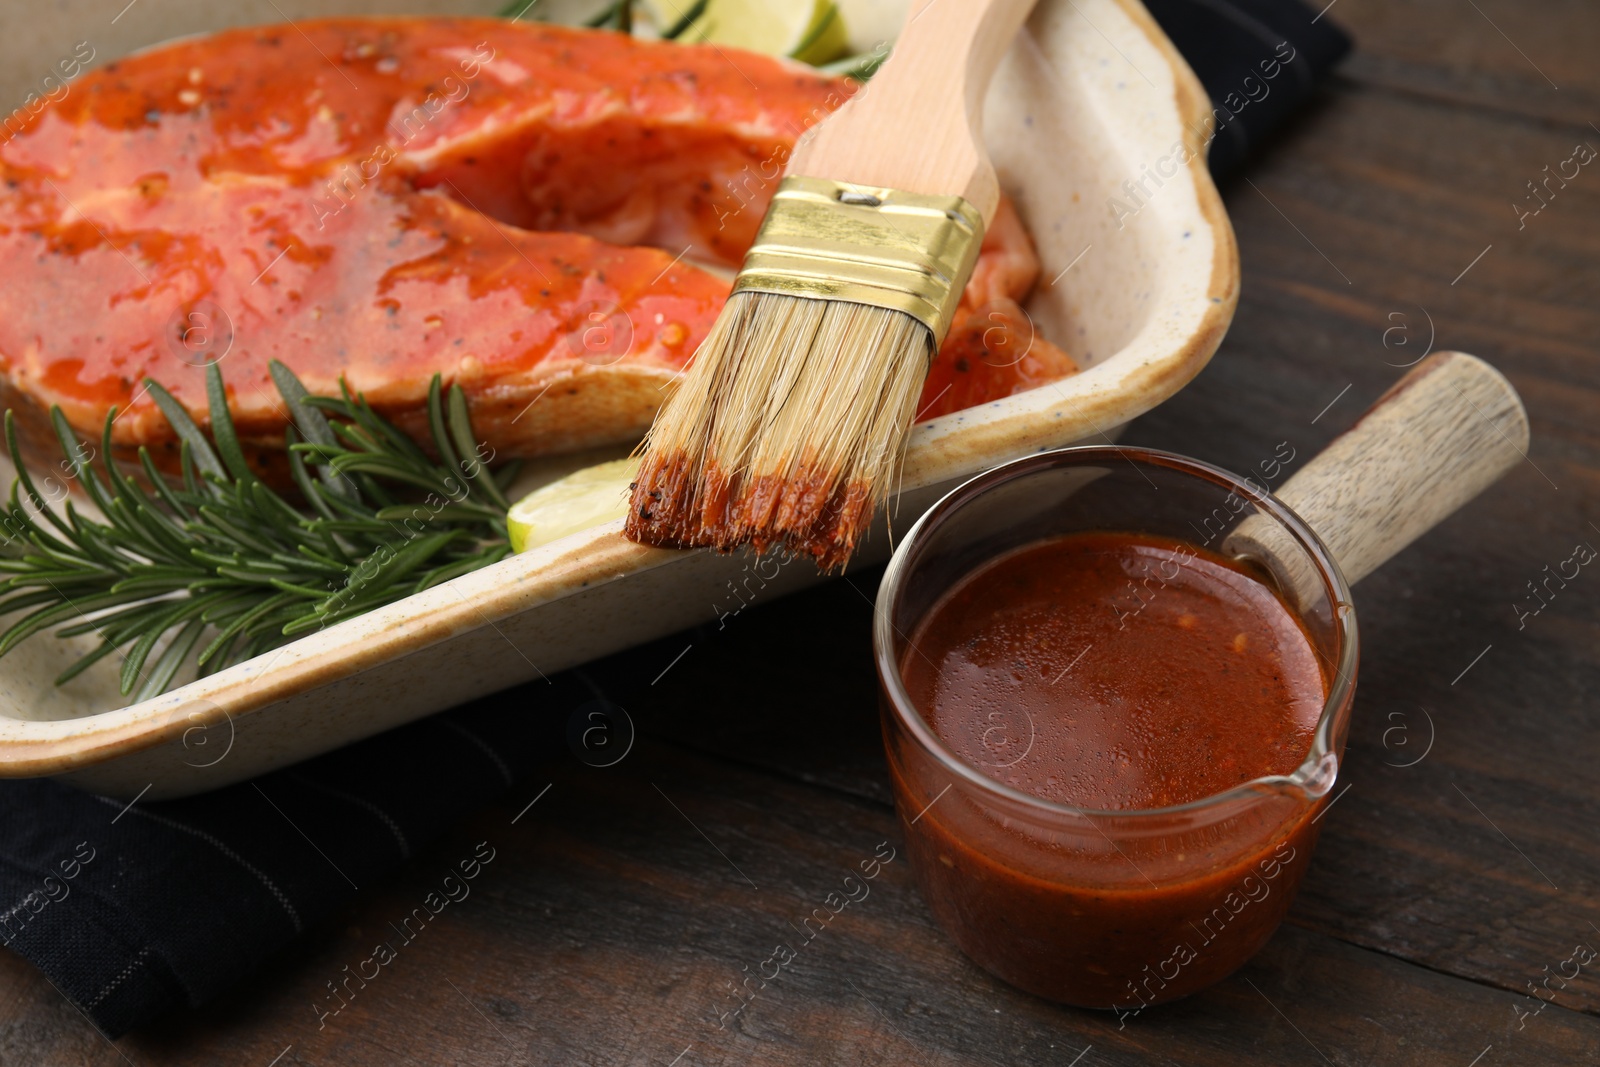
x=787 y=431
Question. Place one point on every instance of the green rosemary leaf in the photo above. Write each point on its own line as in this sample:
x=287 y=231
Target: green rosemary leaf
x=41 y=543
x=333 y=546
x=64 y=557
x=158 y=581
x=84 y=663
x=377 y=427
x=199 y=449
x=302 y=477
x=254 y=576
x=309 y=592
x=24 y=531
x=315 y=453
x=115 y=483
x=321 y=620
x=618 y=15
x=257 y=645
x=231 y=531
x=136 y=528
x=353 y=600
x=238 y=602
x=107 y=449
x=163 y=490
x=27 y=600
x=341 y=566
x=303 y=624
x=436 y=423
x=117 y=626
x=190 y=614
x=15 y=450
x=62 y=581
x=471 y=465
x=164 y=530
x=214 y=560
x=171 y=659
x=186 y=465
x=261 y=565
x=397 y=564
x=861 y=67
x=222 y=432
x=77 y=463
x=446 y=513
x=13 y=529
x=133 y=665
x=677 y=29
x=221 y=660
x=382 y=466
x=311 y=424
x=39 y=620
x=268 y=503
x=358 y=525
x=373 y=492
x=309 y=561
x=271 y=603
x=94 y=542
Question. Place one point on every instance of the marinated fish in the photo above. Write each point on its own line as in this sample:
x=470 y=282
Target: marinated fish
x=534 y=212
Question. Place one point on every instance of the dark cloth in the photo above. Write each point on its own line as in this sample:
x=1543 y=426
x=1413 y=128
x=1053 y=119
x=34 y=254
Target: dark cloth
x=133 y=911
x=1259 y=60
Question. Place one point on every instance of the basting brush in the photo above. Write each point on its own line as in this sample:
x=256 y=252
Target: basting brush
x=788 y=428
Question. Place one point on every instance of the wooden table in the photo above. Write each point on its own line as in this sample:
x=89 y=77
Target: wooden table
x=1455 y=873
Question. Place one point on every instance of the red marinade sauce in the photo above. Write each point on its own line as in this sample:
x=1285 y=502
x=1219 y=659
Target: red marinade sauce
x=1117 y=671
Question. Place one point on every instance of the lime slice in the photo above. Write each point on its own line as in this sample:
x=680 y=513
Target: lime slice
x=872 y=23
x=582 y=499
x=811 y=31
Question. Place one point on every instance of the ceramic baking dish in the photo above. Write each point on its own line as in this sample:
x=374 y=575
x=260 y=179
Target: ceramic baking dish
x=1092 y=96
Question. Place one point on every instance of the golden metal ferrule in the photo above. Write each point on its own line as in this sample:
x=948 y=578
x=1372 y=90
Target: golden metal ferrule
x=830 y=240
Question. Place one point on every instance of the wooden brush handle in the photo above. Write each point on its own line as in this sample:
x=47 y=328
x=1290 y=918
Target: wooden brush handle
x=1439 y=437
x=918 y=125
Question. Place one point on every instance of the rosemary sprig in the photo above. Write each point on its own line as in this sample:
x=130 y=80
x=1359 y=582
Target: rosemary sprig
x=224 y=566
x=859 y=67
x=677 y=29
x=617 y=16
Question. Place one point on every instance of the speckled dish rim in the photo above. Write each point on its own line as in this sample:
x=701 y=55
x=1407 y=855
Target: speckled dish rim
x=1143 y=373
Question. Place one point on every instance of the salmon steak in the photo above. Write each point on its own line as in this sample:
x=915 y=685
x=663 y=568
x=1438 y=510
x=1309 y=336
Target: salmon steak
x=547 y=217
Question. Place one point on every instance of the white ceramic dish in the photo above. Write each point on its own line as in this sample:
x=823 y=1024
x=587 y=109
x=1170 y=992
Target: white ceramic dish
x=1093 y=95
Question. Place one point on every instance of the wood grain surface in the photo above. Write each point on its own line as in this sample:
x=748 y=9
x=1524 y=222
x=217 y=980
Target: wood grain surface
x=1458 y=865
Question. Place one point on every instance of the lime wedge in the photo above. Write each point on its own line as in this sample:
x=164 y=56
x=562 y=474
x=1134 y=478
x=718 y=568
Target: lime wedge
x=811 y=31
x=872 y=23
x=579 y=501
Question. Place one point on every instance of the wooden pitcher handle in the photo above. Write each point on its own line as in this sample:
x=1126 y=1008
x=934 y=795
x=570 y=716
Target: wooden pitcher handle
x=1439 y=437
x=918 y=125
